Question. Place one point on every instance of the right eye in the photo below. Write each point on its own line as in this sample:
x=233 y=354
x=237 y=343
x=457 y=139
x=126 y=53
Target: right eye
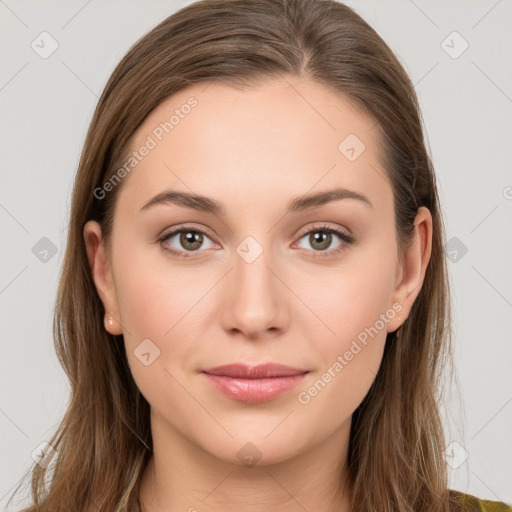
x=190 y=239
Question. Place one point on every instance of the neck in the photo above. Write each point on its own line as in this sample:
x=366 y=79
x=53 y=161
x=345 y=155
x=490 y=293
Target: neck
x=181 y=476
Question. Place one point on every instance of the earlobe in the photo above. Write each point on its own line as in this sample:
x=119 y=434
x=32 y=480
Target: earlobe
x=413 y=268
x=102 y=275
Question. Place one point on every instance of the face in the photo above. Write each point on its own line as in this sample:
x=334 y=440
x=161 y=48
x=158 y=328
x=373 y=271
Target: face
x=267 y=277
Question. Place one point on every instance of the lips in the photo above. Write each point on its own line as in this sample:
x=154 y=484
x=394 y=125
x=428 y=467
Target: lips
x=260 y=371
x=253 y=384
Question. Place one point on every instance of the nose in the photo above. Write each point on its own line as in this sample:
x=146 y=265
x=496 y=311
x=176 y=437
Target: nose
x=255 y=303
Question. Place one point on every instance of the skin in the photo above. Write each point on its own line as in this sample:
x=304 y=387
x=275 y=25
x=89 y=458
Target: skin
x=254 y=150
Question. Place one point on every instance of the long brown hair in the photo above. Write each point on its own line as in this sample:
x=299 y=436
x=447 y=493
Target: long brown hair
x=103 y=443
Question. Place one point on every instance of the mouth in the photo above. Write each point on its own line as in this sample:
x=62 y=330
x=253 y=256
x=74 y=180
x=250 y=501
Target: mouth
x=254 y=384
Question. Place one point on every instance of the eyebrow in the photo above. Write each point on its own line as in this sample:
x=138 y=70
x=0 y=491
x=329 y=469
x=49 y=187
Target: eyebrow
x=208 y=205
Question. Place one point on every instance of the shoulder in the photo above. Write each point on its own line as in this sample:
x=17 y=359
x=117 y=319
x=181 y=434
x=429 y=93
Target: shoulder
x=461 y=502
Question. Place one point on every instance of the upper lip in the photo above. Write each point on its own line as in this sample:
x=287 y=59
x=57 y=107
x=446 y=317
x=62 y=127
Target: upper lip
x=259 y=371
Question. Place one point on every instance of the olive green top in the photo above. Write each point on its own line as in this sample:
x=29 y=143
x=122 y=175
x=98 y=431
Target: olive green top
x=462 y=502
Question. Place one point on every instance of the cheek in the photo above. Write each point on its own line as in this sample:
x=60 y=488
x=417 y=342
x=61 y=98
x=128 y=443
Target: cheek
x=149 y=306
x=348 y=359
x=167 y=307
x=349 y=299
x=153 y=295
x=354 y=307
x=146 y=305
x=356 y=317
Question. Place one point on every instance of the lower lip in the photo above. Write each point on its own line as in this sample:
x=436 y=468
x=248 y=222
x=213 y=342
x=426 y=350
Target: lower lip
x=254 y=390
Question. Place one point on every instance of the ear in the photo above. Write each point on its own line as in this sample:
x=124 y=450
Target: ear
x=411 y=270
x=102 y=275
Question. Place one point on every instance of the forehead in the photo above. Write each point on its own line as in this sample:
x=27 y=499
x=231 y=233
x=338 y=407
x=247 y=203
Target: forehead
x=279 y=139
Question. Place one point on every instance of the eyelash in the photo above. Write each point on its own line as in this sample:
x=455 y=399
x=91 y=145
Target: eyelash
x=345 y=237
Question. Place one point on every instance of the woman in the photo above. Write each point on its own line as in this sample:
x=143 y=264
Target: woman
x=253 y=310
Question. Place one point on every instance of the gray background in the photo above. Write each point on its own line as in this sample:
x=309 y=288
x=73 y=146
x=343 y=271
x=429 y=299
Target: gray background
x=46 y=105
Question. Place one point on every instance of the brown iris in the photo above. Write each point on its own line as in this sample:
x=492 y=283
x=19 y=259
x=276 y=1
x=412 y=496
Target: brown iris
x=322 y=237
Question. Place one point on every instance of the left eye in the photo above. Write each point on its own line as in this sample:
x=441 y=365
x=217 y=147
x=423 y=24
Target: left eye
x=320 y=239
